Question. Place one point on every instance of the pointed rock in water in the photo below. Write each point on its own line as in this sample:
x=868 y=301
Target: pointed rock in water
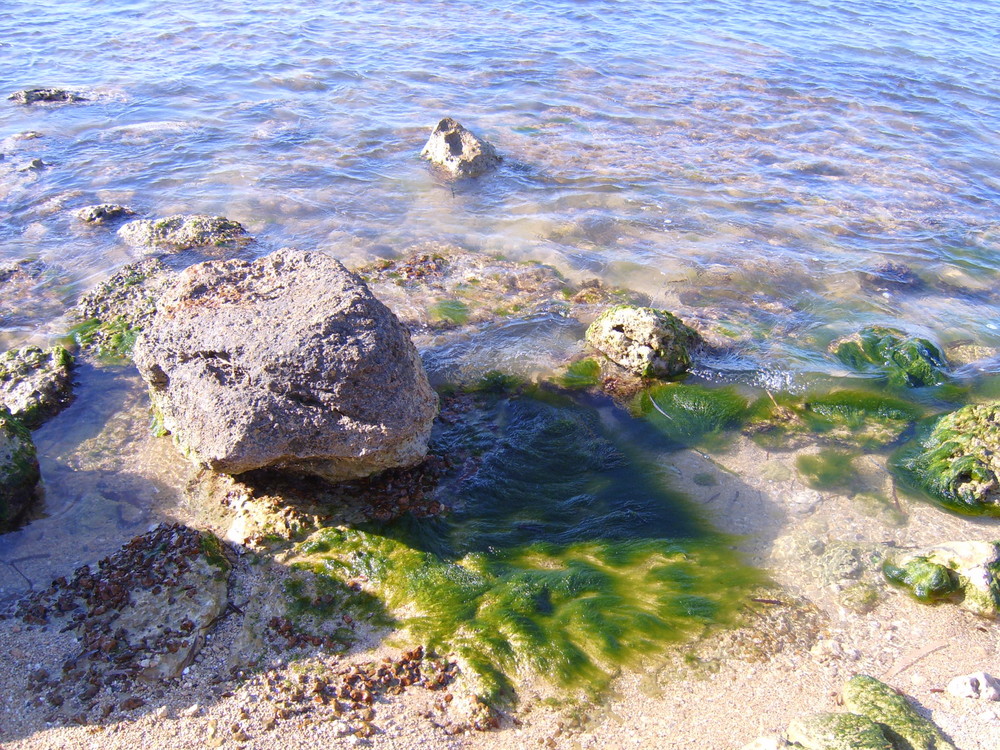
x=459 y=151
x=899 y=721
x=35 y=384
x=172 y=234
x=103 y=213
x=45 y=96
x=958 y=462
x=837 y=732
x=905 y=361
x=287 y=362
x=19 y=473
x=971 y=570
x=645 y=341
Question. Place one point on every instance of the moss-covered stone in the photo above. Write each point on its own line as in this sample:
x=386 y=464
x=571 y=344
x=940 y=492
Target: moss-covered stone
x=926 y=580
x=173 y=234
x=645 y=341
x=957 y=461
x=899 y=721
x=19 y=473
x=692 y=414
x=35 y=383
x=837 y=732
x=110 y=341
x=905 y=361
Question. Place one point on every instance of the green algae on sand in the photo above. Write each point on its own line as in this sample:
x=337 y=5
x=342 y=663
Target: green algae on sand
x=563 y=554
x=693 y=414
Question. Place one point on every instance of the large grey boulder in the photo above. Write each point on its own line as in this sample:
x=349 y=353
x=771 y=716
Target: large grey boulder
x=286 y=362
x=645 y=341
x=172 y=234
x=459 y=151
x=19 y=473
x=36 y=383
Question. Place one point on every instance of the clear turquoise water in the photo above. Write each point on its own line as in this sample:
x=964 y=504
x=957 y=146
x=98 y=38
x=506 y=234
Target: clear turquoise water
x=764 y=151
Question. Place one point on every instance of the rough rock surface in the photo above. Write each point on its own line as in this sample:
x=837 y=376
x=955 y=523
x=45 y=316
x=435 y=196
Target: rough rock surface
x=103 y=213
x=980 y=686
x=172 y=234
x=18 y=470
x=287 y=362
x=645 y=341
x=899 y=720
x=35 y=384
x=837 y=732
x=973 y=568
x=459 y=151
x=36 y=96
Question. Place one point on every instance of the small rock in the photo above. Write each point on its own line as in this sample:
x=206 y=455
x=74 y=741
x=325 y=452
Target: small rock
x=34 y=165
x=979 y=685
x=132 y=703
x=45 y=96
x=877 y=701
x=103 y=213
x=459 y=151
x=35 y=384
x=966 y=571
x=172 y=234
x=191 y=711
x=645 y=341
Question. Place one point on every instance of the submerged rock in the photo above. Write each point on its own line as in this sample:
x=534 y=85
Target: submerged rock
x=46 y=96
x=966 y=571
x=958 y=461
x=459 y=151
x=900 y=722
x=172 y=234
x=837 y=732
x=19 y=473
x=888 y=276
x=35 y=384
x=103 y=213
x=287 y=362
x=980 y=686
x=905 y=361
x=645 y=341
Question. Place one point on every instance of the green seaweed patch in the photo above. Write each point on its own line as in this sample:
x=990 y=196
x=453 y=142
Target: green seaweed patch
x=450 y=311
x=955 y=460
x=899 y=721
x=693 y=414
x=110 y=341
x=584 y=373
x=926 y=580
x=850 y=418
x=563 y=553
x=904 y=361
x=215 y=554
x=829 y=470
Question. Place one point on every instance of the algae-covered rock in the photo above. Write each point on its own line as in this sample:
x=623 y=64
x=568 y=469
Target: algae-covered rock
x=958 y=461
x=645 y=341
x=837 y=732
x=45 y=96
x=288 y=362
x=103 y=213
x=905 y=361
x=459 y=151
x=900 y=722
x=928 y=581
x=172 y=234
x=967 y=571
x=692 y=414
x=34 y=383
x=19 y=473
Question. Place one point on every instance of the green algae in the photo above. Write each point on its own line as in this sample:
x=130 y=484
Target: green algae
x=693 y=414
x=904 y=361
x=829 y=470
x=449 y=310
x=955 y=460
x=584 y=373
x=111 y=341
x=563 y=554
x=926 y=580
x=19 y=471
x=837 y=732
x=899 y=721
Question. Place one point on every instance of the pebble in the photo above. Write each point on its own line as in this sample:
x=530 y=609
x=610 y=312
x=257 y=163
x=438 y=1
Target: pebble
x=978 y=685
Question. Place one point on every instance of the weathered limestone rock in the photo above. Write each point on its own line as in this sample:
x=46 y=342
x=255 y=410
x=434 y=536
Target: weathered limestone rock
x=172 y=234
x=45 y=96
x=648 y=342
x=459 y=151
x=18 y=470
x=103 y=213
x=35 y=384
x=979 y=685
x=971 y=574
x=899 y=721
x=837 y=732
x=286 y=362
